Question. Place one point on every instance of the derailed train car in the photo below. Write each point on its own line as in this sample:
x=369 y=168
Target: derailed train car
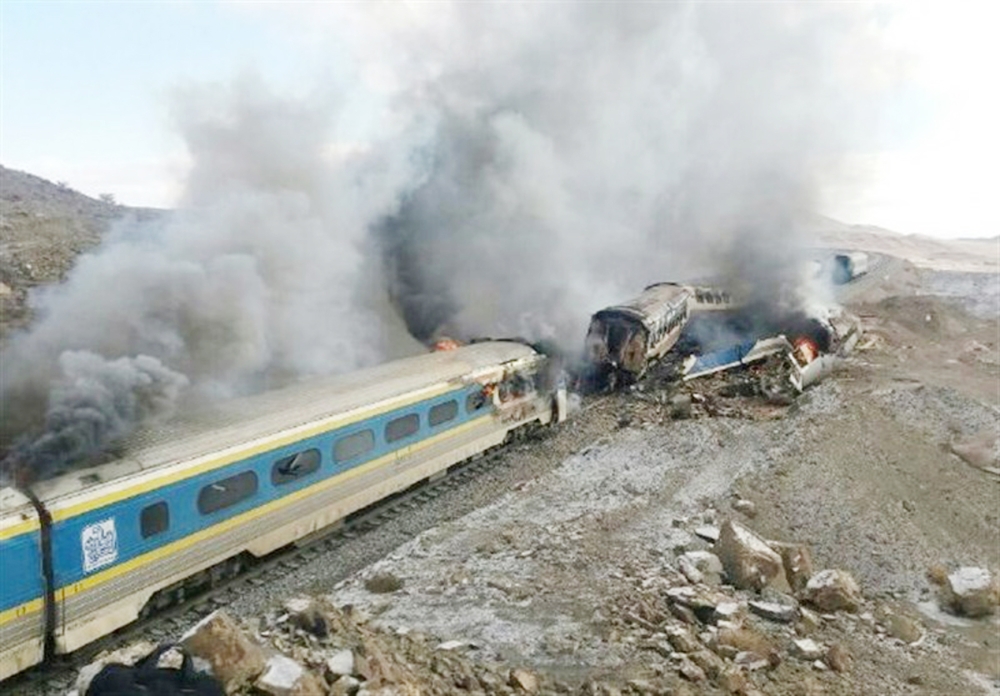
x=194 y=500
x=623 y=340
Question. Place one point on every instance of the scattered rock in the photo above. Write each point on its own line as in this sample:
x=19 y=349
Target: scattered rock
x=747 y=507
x=707 y=563
x=971 y=592
x=747 y=559
x=691 y=671
x=833 y=590
x=903 y=628
x=523 y=680
x=796 y=560
x=708 y=533
x=345 y=686
x=750 y=661
x=688 y=570
x=710 y=663
x=773 y=611
x=807 y=649
x=307 y=614
x=341 y=664
x=734 y=681
x=283 y=676
x=682 y=641
x=383 y=583
x=235 y=659
x=838 y=658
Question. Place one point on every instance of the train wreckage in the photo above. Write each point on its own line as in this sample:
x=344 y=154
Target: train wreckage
x=714 y=333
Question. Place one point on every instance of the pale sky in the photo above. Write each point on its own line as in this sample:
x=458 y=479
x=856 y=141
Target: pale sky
x=84 y=88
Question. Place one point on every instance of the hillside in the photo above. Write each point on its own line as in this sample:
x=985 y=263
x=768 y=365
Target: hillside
x=44 y=226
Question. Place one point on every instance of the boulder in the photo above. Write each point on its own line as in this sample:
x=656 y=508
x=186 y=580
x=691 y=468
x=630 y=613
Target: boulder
x=235 y=659
x=971 y=592
x=339 y=665
x=832 y=590
x=838 y=658
x=524 y=681
x=774 y=611
x=796 y=562
x=707 y=563
x=749 y=562
x=691 y=671
x=283 y=676
x=682 y=641
x=807 y=649
x=689 y=571
x=903 y=628
x=710 y=663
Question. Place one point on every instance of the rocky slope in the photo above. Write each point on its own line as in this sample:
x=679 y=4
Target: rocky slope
x=44 y=226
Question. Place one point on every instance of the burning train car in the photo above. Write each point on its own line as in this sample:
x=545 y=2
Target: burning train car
x=623 y=340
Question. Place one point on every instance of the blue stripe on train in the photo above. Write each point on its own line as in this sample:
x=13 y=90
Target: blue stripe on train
x=181 y=497
x=22 y=570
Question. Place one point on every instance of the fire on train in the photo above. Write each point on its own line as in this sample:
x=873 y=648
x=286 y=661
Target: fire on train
x=195 y=500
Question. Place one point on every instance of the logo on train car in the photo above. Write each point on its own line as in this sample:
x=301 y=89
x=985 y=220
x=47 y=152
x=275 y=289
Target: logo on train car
x=100 y=545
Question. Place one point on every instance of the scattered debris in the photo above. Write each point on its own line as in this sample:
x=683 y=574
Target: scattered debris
x=741 y=354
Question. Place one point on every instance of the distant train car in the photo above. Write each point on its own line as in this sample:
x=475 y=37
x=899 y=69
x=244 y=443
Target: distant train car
x=624 y=339
x=191 y=501
x=847 y=267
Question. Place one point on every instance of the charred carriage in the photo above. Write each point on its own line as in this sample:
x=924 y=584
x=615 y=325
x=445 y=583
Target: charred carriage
x=624 y=339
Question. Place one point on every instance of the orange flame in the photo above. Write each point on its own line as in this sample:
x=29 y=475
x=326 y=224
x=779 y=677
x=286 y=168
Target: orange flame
x=446 y=343
x=805 y=350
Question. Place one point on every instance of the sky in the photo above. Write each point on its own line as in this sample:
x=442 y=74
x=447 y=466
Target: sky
x=85 y=89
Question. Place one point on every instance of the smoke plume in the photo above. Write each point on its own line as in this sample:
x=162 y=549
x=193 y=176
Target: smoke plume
x=527 y=164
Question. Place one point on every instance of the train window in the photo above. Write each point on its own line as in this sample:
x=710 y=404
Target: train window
x=442 y=413
x=154 y=519
x=295 y=467
x=401 y=427
x=475 y=401
x=354 y=445
x=227 y=492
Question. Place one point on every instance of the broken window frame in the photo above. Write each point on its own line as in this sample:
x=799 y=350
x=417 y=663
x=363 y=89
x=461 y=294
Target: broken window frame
x=295 y=467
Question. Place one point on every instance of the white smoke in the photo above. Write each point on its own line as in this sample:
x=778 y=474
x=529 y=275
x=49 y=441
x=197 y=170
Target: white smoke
x=532 y=162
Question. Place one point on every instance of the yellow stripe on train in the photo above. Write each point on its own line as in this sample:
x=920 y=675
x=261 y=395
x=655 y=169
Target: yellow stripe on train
x=220 y=528
x=216 y=461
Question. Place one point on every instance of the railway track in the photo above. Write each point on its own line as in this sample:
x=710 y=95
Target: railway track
x=58 y=676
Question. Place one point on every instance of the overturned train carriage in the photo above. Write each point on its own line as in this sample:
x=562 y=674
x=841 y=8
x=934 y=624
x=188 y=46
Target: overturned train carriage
x=193 y=500
x=624 y=339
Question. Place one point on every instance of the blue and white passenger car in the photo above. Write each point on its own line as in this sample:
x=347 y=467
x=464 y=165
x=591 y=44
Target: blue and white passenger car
x=194 y=495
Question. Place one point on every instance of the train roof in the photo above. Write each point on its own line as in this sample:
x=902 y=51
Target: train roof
x=239 y=421
x=653 y=301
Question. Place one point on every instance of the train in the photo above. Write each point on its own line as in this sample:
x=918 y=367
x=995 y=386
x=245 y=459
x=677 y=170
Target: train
x=848 y=266
x=193 y=500
x=624 y=340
